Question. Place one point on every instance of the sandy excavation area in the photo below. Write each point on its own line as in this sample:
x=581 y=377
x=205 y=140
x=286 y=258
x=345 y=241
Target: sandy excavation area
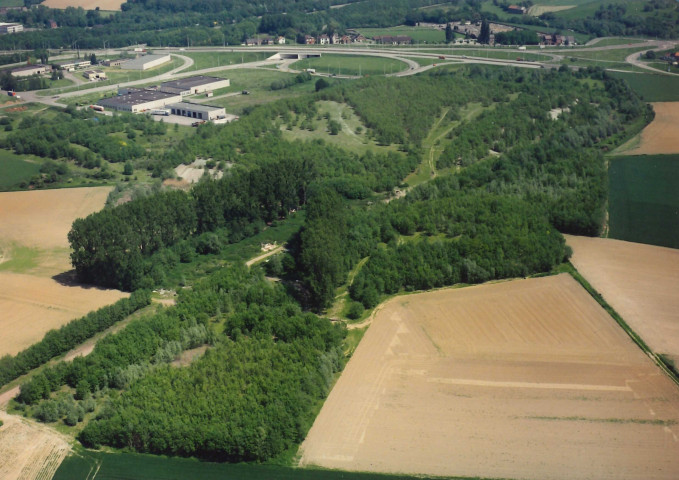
x=525 y=379
x=85 y=4
x=31 y=301
x=661 y=136
x=29 y=451
x=641 y=282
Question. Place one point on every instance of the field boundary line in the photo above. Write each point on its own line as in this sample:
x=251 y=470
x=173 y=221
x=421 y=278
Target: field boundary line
x=656 y=358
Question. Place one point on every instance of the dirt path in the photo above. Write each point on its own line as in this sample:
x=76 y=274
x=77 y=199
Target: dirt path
x=276 y=250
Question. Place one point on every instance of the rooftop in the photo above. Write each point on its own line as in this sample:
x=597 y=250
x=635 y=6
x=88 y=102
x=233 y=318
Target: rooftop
x=138 y=62
x=29 y=67
x=135 y=97
x=189 y=82
x=195 y=107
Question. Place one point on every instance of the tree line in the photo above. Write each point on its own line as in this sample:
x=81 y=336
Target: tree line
x=258 y=383
x=59 y=341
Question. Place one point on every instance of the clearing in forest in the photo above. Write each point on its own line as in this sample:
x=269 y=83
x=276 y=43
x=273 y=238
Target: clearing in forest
x=521 y=379
x=85 y=4
x=29 y=451
x=660 y=136
x=35 y=296
x=639 y=281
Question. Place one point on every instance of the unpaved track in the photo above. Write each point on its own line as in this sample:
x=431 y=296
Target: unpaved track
x=524 y=379
x=268 y=254
x=641 y=282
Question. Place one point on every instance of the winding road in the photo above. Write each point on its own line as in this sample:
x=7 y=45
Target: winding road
x=403 y=54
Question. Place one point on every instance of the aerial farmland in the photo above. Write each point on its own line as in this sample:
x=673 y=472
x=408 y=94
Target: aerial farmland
x=520 y=379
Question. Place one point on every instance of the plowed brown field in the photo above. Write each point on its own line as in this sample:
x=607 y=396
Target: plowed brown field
x=31 y=301
x=522 y=379
x=662 y=135
x=641 y=282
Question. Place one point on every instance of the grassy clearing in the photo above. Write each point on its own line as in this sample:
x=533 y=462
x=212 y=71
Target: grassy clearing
x=215 y=59
x=418 y=34
x=644 y=200
x=352 y=137
x=14 y=170
x=651 y=87
x=257 y=81
x=426 y=170
x=280 y=232
x=607 y=42
x=495 y=53
x=351 y=65
x=615 y=55
x=21 y=259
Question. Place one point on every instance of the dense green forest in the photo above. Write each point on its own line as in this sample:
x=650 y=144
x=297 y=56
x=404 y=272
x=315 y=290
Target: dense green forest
x=251 y=396
x=520 y=160
x=515 y=151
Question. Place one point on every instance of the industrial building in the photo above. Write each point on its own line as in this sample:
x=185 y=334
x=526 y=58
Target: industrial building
x=71 y=65
x=145 y=62
x=138 y=100
x=193 y=85
x=197 y=111
x=28 y=70
x=11 y=27
x=94 y=75
x=114 y=63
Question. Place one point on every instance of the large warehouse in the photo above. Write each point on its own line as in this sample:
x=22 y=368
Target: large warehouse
x=145 y=62
x=193 y=85
x=137 y=100
x=28 y=70
x=197 y=111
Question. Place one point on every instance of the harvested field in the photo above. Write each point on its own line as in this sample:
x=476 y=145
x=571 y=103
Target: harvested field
x=34 y=246
x=31 y=306
x=660 y=136
x=639 y=281
x=29 y=451
x=85 y=4
x=523 y=379
x=42 y=218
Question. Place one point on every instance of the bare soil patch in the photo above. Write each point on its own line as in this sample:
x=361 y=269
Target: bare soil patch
x=660 y=137
x=29 y=451
x=85 y=4
x=31 y=306
x=195 y=171
x=38 y=298
x=641 y=282
x=42 y=218
x=523 y=379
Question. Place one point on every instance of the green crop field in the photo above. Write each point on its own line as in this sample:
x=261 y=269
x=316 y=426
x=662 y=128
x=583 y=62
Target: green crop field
x=14 y=170
x=126 y=466
x=352 y=65
x=651 y=87
x=643 y=199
